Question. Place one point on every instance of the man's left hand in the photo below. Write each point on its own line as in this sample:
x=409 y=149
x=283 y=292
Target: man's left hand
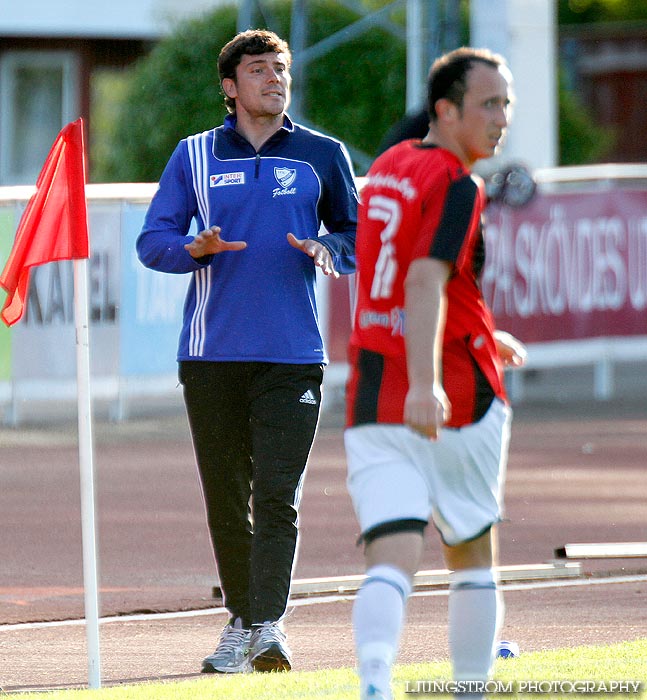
x=318 y=252
x=512 y=352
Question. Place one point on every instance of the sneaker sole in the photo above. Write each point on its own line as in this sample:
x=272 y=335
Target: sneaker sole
x=208 y=668
x=270 y=660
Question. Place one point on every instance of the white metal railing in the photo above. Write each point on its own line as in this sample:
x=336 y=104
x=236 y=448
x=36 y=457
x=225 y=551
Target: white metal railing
x=592 y=173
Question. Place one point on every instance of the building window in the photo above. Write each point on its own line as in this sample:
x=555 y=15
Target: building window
x=38 y=96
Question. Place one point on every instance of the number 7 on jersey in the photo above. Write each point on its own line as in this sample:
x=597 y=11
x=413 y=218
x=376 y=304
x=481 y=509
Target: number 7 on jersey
x=388 y=211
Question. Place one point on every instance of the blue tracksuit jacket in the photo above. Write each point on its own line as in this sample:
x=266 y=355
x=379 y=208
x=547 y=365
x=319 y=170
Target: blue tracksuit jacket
x=258 y=304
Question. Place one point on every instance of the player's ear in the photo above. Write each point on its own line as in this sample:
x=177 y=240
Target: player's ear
x=229 y=88
x=446 y=110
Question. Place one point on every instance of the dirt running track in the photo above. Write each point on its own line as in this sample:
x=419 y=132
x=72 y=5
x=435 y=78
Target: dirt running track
x=576 y=474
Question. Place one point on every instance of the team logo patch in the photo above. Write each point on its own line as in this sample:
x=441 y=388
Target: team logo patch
x=223 y=179
x=285 y=176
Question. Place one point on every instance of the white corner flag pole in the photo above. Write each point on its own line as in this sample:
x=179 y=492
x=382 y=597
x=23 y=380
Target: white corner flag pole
x=86 y=449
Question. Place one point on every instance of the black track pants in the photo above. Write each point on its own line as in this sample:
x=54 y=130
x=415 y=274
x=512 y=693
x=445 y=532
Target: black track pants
x=252 y=425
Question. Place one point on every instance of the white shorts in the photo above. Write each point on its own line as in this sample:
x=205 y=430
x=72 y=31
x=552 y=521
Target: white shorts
x=457 y=481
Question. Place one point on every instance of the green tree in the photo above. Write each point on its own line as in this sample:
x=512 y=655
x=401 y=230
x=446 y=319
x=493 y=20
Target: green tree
x=581 y=141
x=172 y=92
x=354 y=92
x=586 y=11
x=357 y=91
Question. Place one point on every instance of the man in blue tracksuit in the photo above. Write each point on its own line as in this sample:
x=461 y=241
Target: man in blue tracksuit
x=251 y=353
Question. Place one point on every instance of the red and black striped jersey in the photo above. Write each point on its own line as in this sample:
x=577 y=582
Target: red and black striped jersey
x=420 y=201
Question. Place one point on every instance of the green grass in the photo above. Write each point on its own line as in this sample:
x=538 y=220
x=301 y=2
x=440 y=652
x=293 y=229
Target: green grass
x=622 y=662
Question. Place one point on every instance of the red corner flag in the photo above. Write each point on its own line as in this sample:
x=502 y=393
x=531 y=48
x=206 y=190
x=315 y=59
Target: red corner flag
x=55 y=223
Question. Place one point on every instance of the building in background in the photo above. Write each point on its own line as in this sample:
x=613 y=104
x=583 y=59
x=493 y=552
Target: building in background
x=50 y=52
x=61 y=59
x=606 y=66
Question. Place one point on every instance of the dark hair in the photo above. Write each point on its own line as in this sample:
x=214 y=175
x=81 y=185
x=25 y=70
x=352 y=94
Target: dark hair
x=448 y=75
x=252 y=42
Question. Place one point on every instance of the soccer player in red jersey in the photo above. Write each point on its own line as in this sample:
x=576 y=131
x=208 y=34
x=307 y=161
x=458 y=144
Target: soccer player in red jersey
x=428 y=420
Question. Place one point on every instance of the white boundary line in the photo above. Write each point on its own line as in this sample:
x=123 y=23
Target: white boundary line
x=320 y=600
x=603 y=550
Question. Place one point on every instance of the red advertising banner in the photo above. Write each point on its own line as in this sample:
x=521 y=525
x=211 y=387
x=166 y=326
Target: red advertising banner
x=569 y=265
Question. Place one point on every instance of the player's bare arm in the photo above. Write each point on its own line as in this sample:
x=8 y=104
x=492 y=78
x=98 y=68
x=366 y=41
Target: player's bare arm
x=512 y=352
x=426 y=407
x=318 y=252
x=209 y=242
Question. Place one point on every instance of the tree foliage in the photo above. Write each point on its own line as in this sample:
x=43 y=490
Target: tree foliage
x=581 y=141
x=174 y=91
x=355 y=92
x=588 y=11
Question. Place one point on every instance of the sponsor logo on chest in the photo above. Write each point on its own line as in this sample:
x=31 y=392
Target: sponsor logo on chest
x=223 y=179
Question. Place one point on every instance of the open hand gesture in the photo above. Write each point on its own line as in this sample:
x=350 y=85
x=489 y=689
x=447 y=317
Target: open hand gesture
x=209 y=243
x=318 y=252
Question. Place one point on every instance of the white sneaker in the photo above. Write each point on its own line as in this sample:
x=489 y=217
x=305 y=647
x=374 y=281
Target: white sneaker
x=373 y=693
x=230 y=655
x=268 y=648
x=375 y=680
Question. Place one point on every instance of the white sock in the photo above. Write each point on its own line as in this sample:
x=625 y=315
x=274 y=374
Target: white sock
x=475 y=615
x=378 y=616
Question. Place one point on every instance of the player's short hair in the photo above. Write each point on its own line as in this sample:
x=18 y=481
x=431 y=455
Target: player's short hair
x=252 y=42
x=448 y=75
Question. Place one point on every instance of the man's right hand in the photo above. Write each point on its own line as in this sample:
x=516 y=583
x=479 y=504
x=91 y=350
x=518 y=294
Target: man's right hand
x=426 y=410
x=209 y=243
